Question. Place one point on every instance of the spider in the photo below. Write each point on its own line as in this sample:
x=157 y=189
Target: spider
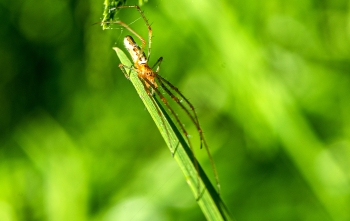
x=152 y=81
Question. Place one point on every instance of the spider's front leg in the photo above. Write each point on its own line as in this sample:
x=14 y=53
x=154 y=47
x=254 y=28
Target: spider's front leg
x=157 y=64
x=123 y=67
x=132 y=31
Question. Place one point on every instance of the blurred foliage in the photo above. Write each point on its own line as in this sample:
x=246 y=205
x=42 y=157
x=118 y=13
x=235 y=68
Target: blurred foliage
x=270 y=81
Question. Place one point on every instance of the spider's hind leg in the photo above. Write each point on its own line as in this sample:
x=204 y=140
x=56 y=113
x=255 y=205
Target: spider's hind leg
x=160 y=113
x=193 y=118
x=186 y=135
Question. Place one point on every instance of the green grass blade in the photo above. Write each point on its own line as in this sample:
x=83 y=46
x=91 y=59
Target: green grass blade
x=209 y=200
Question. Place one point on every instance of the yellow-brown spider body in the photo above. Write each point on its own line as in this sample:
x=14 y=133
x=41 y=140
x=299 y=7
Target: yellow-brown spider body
x=150 y=80
x=140 y=61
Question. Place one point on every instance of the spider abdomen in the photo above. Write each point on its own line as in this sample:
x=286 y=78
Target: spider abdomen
x=135 y=51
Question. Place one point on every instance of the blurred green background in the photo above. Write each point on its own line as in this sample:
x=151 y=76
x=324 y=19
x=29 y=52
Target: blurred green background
x=270 y=81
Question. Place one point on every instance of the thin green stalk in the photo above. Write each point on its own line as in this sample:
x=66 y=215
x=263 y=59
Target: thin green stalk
x=208 y=199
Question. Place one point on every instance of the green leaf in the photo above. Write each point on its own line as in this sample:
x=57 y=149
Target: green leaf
x=208 y=199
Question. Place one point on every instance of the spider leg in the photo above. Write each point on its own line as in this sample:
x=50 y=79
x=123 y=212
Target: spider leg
x=162 y=117
x=194 y=119
x=181 y=95
x=123 y=67
x=131 y=30
x=157 y=64
x=176 y=99
x=161 y=79
x=148 y=26
x=181 y=126
x=212 y=165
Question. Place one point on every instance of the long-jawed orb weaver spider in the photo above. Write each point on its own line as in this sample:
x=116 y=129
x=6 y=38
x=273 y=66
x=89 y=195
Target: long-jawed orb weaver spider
x=152 y=81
